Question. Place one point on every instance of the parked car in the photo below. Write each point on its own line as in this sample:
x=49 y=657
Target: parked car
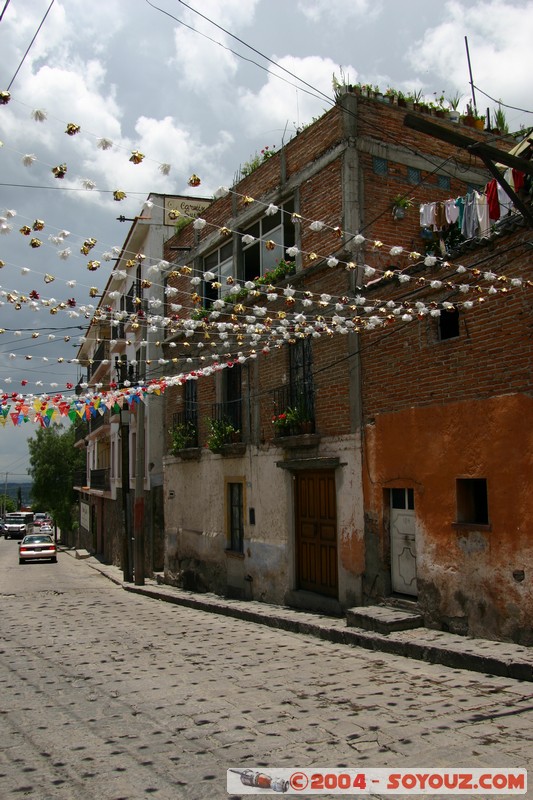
x=37 y=546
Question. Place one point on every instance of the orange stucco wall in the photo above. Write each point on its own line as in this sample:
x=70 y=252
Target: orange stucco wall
x=476 y=580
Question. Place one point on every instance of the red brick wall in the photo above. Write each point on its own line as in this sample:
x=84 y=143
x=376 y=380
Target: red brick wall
x=321 y=198
x=406 y=365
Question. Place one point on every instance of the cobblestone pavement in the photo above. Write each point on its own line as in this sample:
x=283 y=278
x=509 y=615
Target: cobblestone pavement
x=108 y=695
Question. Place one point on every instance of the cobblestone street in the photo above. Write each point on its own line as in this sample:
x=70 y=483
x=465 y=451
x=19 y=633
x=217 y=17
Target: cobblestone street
x=107 y=694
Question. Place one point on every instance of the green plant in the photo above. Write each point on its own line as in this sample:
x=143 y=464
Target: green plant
x=283 y=269
x=290 y=420
x=181 y=223
x=250 y=166
x=221 y=432
x=339 y=84
x=297 y=414
x=439 y=101
x=401 y=201
x=454 y=101
x=500 y=120
x=267 y=152
x=182 y=435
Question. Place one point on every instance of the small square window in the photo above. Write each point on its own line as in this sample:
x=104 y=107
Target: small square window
x=402 y=498
x=414 y=175
x=472 y=502
x=443 y=182
x=380 y=165
x=449 y=324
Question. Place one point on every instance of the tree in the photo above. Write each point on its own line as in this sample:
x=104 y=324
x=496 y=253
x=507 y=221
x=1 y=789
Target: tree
x=7 y=504
x=53 y=463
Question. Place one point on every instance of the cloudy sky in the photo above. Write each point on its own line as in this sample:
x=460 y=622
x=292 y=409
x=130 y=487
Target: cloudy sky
x=200 y=86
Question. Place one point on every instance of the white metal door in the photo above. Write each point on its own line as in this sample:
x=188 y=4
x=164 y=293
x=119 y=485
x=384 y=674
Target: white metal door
x=403 y=542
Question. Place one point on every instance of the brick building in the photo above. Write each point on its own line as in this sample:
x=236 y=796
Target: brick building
x=302 y=383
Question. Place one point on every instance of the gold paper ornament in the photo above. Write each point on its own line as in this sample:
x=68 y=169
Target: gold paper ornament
x=35 y=243
x=136 y=157
x=38 y=225
x=119 y=195
x=72 y=129
x=60 y=171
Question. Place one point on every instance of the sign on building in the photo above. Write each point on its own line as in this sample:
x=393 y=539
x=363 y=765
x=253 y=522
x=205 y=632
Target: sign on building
x=190 y=207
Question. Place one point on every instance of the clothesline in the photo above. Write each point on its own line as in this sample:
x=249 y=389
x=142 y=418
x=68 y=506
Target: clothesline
x=474 y=213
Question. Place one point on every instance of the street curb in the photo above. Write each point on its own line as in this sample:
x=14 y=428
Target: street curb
x=455 y=652
x=428 y=652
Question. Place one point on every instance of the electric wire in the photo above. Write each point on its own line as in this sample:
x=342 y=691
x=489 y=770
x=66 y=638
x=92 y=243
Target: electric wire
x=4 y=10
x=30 y=45
x=505 y=105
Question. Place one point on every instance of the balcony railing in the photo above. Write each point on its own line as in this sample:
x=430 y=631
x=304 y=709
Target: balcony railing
x=229 y=412
x=187 y=422
x=80 y=432
x=100 y=354
x=100 y=479
x=95 y=423
x=293 y=409
x=80 y=477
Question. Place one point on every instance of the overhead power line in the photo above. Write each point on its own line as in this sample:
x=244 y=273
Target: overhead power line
x=30 y=44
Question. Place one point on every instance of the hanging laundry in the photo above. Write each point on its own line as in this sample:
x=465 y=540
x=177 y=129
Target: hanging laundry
x=470 y=222
x=482 y=211
x=491 y=190
x=427 y=215
x=451 y=211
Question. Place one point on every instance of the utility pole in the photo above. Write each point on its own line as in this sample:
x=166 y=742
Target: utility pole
x=125 y=454
x=138 y=514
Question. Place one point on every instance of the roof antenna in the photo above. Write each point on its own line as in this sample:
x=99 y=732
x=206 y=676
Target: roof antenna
x=470 y=73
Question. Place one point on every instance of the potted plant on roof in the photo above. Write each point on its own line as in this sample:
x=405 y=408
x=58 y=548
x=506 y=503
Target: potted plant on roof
x=440 y=109
x=469 y=116
x=453 y=102
x=500 y=121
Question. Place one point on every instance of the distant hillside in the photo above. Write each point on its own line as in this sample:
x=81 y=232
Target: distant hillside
x=12 y=491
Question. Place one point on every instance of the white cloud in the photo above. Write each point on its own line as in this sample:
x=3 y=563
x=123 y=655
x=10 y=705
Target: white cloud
x=336 y=11
x=279 y=105
x=499 y=40
x=202 y=63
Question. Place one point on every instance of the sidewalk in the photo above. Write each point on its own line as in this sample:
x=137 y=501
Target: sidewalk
x=437 y=647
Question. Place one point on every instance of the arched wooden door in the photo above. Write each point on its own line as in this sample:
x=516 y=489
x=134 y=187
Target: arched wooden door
x=316 y=532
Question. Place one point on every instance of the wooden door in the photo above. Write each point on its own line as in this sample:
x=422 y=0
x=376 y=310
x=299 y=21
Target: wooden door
x=316 y=532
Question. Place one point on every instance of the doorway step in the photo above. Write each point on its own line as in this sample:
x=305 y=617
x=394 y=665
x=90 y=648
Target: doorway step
x=383 y=619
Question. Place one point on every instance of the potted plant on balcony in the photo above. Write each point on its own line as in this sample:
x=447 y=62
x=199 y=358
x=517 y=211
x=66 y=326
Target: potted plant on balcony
x=183 y=436
x=221 y=433
x=280 y=424
x=293 y=421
